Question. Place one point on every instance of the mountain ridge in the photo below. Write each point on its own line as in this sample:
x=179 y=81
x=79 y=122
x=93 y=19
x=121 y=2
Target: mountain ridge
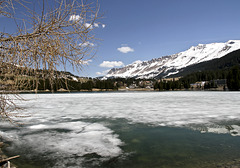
x=224 y=63
x=172 y=64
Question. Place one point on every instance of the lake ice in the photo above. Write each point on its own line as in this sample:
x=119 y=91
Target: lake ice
x=74 y=125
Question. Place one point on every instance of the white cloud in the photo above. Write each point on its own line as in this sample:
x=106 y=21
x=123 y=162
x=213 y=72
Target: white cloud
x=103 y=72
x=85 y=62
x=88 y=25
x=96 y=25
x=86 y=44
x=125 y=49
x=111 y=64
x=74 y=18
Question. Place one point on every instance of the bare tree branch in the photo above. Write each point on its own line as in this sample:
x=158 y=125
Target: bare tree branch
x=55 y=36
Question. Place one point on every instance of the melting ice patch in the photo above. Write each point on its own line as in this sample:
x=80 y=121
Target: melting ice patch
x=233 y=130
x=68 y=140
x=77 y=138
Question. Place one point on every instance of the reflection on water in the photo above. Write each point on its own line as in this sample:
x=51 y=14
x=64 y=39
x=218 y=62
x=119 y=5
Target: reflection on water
x=151 y=146
x=159 y=129
x=144 y=146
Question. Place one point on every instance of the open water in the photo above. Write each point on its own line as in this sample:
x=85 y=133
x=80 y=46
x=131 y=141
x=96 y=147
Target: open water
x=126 y=129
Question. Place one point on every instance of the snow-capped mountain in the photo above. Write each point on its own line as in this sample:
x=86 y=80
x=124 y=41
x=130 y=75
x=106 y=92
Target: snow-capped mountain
x=168 y=65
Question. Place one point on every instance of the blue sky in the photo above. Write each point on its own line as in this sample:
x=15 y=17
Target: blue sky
x=146 y=29
x=155 y=28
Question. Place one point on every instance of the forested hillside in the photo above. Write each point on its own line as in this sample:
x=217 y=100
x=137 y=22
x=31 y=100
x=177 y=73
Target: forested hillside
x=223 y=63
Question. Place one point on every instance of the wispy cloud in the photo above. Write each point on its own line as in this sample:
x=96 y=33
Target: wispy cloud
x=90 y=26
x=125 y=49
x=111 y=64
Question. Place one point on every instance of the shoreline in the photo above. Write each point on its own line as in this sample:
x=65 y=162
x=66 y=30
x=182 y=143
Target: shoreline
x=105 y=90
x=4 y=159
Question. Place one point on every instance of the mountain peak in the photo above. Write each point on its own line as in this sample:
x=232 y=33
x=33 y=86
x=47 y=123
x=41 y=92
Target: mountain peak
x=167 y=65
x=233 y=41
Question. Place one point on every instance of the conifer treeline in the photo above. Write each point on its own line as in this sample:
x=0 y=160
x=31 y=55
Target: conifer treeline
x=232 y=75
x=233 y=78
x=69 y=85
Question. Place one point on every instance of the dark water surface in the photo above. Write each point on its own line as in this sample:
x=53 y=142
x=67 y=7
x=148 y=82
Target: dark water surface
x=146 y=146
x=176 y=147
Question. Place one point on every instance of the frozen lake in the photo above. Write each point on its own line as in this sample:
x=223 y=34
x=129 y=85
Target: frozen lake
x=127 y=129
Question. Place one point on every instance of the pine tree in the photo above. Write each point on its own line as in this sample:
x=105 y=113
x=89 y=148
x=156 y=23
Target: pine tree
x=233 y=79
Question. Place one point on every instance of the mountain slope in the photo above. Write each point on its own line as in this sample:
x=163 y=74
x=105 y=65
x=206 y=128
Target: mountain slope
x=168 y=65
x=225 y=62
